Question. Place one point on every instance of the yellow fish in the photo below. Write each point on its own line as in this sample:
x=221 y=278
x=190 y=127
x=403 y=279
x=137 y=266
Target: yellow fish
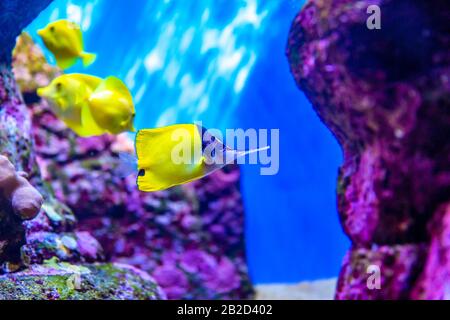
x=178 y=154
x=89 y=105
x=111 y=107
x=65 y=40
x=68 y=97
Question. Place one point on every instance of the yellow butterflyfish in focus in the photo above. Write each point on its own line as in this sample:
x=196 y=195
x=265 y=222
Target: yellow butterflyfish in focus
x=89 y=105
x=65 y=40
x=68 y=98
x=177 y=154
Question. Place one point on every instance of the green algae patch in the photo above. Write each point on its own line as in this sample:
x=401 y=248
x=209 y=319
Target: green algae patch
x=63 y=281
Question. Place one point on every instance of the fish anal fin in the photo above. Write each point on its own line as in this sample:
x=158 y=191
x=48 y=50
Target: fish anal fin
x=65 y=63
x=88 y=123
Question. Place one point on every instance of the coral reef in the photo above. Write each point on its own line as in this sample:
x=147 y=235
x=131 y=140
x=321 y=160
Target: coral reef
x=25 y=200
x=385 y=96
x=65 y=281
x=27 y=244
x=189 y=238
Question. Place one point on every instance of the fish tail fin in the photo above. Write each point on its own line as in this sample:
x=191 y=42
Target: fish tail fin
x=145 y=142
x=131 y=127
x=127 y=165
x=88 y=58
x=128 y=125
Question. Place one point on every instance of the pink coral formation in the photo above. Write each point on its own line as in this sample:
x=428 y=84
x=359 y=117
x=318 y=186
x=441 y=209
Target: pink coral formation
x=384 y=94
x=26 y=246
x=26 y=201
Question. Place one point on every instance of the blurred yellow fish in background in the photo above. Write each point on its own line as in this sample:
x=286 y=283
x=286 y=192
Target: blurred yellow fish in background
x=65 y=40
x=68 y=96
x=111 y=106
x=89 y=105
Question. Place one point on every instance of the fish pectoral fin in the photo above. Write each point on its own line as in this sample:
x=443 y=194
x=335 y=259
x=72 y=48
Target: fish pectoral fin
x=64 y=62
x=76 y=128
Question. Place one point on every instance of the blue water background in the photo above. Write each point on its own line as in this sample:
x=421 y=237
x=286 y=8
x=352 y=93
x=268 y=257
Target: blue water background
x=223 y=62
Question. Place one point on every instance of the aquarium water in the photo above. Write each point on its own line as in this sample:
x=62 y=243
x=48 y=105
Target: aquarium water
x=222 y=62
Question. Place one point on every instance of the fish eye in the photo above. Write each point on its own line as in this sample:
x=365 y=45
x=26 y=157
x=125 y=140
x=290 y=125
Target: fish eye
x=52 y=29
x=141 y=173
x=213 y=153
x=58 y=86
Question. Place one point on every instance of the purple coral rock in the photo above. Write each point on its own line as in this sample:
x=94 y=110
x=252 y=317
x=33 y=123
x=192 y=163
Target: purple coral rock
x=398 y=268
x=384 y=95
x=196 y=261
x=434 y=282
x=172 y=281
x=225 y=278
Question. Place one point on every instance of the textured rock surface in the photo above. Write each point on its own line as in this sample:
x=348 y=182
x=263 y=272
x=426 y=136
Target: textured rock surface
x=189 y=238
x=385 y=96
x=399 y=267
x=52 y=233
x=79 y=282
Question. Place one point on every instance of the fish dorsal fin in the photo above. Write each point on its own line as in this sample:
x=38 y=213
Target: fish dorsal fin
x=116 y=85
x=74 y=29
x=91 y=82
x=78 y=33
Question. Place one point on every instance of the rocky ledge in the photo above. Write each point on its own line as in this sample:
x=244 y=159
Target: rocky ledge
x=45 y=257
x=384 y=93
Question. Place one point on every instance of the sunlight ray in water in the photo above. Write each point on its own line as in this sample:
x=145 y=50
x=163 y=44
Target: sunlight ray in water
x=186 y=58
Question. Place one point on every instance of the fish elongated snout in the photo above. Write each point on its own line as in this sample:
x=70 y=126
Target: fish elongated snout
x=233 y=155
x=41 y=32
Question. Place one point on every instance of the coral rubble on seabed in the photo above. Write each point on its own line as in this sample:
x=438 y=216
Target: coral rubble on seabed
x=26 y=247
x=385 y=96
x=189 y=238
